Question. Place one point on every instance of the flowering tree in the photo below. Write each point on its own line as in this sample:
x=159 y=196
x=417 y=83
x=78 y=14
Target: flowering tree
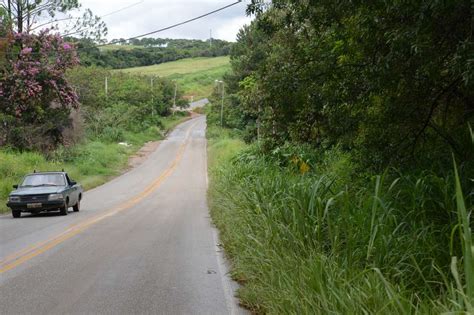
x=27 y=16
x=3 y=33
x=35 y=97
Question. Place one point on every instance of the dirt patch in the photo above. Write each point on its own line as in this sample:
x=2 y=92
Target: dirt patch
x=194 y=115
x=142 y=154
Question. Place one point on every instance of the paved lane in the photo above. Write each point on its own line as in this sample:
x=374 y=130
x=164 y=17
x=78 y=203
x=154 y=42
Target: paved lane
x=199 y=103
x=141 y=244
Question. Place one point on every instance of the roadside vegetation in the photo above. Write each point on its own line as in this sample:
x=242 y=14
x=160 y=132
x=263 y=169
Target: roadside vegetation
x=342 y=173
x=91 y=162
x=307 y=234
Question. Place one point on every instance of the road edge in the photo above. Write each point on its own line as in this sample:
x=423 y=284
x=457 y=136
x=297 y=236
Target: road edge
x=229 y=285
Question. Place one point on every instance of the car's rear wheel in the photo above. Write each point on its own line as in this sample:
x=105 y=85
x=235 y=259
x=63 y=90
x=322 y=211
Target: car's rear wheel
x=77 y=206
x=16 y=213
x=63 y=209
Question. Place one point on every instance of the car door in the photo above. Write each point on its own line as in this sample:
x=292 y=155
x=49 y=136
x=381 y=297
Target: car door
x=73 y=191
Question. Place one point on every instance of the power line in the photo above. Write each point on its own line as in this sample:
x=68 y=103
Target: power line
x=122 y=9
x=175 y=25
x=77 y=18
x=159 y=30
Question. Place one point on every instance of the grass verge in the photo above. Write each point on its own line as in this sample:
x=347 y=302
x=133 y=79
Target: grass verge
x=305 y=237
x=91 y=163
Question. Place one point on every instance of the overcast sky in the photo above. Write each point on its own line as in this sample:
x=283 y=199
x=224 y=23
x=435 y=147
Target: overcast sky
x=150 y=15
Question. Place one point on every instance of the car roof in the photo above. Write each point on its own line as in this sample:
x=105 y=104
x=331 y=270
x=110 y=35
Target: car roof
x=43 y=173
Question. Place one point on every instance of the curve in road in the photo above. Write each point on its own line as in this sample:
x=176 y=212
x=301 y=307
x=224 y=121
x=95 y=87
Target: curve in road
x=142 y=243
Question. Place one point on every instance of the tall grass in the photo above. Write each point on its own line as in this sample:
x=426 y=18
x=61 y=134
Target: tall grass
x=465 y=292
x=465 y=234
x=321 y=243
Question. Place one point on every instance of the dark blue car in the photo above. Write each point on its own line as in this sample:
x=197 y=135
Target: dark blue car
x=45 y=191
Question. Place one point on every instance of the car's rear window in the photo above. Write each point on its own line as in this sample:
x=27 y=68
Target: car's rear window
x=44 y=180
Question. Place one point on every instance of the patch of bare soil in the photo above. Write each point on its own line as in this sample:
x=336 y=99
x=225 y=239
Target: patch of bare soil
x=142 y=154
x=194 y=115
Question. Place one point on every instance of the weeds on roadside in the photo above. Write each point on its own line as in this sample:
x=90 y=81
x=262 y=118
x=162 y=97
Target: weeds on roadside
x=321 y=243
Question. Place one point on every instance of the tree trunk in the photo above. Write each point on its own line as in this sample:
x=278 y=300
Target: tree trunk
x=28 y=16
x=19 y=5
x=9 y=11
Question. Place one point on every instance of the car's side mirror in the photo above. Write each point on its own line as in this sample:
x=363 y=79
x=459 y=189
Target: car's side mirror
x=73 y=183
x=15 y=186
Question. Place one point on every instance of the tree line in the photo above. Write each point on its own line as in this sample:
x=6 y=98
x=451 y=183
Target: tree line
x=391 y=82
x=147 y=51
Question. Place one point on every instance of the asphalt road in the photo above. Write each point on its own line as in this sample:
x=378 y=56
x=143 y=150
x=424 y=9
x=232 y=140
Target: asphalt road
x=141 y=244
x=199 y=103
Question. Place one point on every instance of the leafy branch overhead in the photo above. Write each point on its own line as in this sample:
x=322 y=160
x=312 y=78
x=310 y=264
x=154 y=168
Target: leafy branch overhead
x=64 y=16
x=391 y=81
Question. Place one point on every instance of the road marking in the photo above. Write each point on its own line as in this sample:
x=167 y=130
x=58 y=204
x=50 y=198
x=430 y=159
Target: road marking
x=30 y=252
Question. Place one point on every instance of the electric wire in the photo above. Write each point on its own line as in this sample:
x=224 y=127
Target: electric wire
x=177 y=24
x=159 y=30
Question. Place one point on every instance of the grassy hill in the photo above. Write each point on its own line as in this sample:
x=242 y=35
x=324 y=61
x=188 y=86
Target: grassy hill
x=195 y=76
x=120 y=47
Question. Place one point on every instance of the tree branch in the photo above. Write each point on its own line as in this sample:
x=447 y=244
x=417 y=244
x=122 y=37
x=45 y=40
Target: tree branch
x=434 y=104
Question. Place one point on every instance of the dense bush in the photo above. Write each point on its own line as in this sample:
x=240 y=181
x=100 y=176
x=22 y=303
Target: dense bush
x=131 y=103
x=379 y=78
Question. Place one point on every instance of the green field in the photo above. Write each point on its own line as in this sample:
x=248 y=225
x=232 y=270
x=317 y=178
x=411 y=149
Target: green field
x=120 y=47
x=195 y=76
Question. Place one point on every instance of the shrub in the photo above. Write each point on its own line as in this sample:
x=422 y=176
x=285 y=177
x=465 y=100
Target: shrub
x=34 y=91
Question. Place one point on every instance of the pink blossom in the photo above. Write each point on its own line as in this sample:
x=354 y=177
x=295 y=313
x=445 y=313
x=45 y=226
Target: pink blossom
x=37 y=78
x=26 y=51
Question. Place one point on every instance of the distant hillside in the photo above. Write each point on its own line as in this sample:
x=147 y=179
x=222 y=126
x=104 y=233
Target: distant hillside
x=195 y=76
x=148 y=51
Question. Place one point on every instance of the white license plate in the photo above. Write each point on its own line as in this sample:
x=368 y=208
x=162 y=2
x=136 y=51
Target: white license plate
x=34 y=205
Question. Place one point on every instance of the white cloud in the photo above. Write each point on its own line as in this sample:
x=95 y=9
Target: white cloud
x=151 y=15
x=229 y=30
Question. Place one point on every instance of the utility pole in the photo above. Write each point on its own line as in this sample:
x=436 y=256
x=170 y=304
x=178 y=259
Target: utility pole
x=174 y=99
x=222 y=104
x=106 y=88
x=152 y=98
x=258 y=123
x=222 y=101
x=210 y=38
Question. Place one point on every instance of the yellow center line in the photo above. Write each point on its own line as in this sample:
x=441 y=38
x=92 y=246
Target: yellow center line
x=30 y=252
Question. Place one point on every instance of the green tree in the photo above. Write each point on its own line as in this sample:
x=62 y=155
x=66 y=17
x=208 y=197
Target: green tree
x=35 y=96
x=382 y=79
x=31 y=15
